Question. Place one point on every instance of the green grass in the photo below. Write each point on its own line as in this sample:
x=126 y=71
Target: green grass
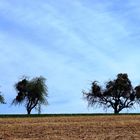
x=61 y=115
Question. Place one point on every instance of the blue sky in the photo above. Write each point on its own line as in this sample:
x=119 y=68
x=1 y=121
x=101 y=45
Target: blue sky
x=71 y=43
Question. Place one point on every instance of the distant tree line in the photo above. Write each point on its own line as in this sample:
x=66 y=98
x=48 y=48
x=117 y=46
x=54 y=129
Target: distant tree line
x=117 y=94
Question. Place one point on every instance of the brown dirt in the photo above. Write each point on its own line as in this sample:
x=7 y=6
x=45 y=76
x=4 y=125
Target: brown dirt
x=71 y=128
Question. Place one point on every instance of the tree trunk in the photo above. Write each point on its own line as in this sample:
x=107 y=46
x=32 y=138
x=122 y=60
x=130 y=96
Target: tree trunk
x=116 y=110
x=31 y=105
x=28 y=111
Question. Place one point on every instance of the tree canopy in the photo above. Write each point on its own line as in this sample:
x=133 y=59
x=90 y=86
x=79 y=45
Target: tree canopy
x=31 y=92
x=2 y=99
x=117 y=94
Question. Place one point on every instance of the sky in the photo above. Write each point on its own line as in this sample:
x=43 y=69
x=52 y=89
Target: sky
x=71 y=44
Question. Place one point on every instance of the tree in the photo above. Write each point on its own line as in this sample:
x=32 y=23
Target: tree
x=117 y=94
x=32 y=92
x=2 y=99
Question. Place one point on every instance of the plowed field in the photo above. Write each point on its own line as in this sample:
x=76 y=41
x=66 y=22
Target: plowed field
x=121 y=127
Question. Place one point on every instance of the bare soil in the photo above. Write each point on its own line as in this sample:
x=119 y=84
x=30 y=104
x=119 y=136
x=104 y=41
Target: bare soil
x=121 y=127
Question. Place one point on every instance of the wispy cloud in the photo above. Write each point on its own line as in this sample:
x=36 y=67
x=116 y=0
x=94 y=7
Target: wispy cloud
x=70 y=43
